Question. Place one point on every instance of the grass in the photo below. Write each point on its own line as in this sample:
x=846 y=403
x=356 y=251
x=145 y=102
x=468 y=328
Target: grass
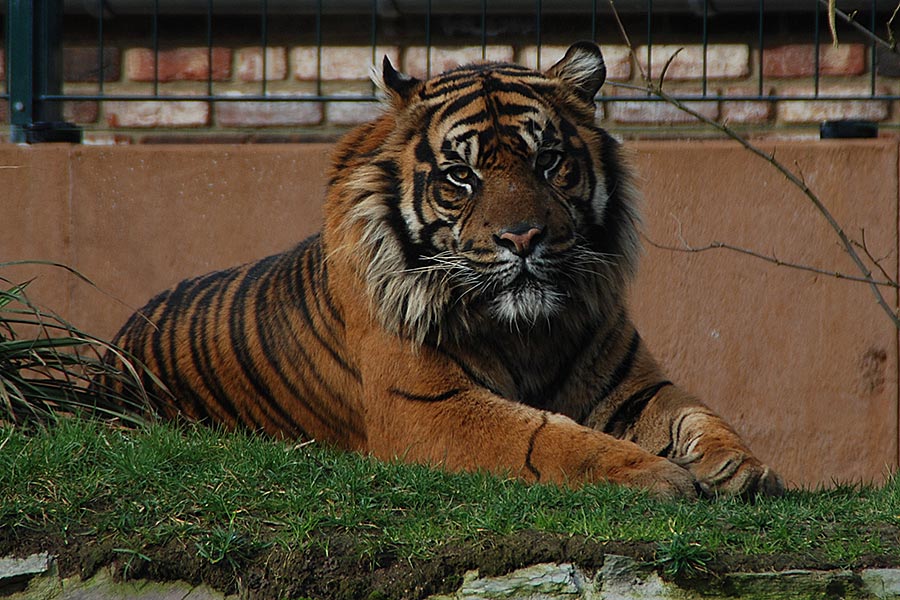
x=229 y=496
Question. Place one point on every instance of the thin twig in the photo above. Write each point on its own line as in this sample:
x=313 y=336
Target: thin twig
x=715 y=245
x=864 y=246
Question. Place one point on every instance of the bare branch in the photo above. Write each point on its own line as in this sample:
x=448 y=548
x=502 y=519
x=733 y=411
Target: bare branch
x=832 y=25
x=890 y=44
x=715 y=245
x=892 y=41
x=625 y=37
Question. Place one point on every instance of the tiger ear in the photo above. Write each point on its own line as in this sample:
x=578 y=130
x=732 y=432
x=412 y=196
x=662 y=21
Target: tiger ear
x=583 y=68
x=397 y=84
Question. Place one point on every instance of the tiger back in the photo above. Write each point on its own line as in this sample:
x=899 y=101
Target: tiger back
x=464 y=305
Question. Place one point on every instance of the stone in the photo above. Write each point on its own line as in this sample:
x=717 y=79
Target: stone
x=14 y=570
x=882 y=583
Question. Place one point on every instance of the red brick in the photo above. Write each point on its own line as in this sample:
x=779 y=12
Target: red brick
x=4 y=111
x=157 y=113
x=2 y=65
x=443 y=58
x=617 y=59
x=659 y=112
x=799 y=60
x=85 y=111
x=723 y=61
x=268 y=114
x=249 y=64
x=82 y=64
x=179 y=64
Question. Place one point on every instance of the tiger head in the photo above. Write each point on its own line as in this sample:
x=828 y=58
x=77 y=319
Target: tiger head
x=486 y=197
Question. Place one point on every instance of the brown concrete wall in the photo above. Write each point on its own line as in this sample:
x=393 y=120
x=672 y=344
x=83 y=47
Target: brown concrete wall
x=804 y=364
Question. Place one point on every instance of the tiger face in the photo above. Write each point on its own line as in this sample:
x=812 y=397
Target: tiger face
x=504 y=202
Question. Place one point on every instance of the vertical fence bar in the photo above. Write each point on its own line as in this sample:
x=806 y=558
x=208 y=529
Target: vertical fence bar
x=705 y=44
x=319 y=48
x=373 y=39
x=761 y=43
x=101 y=77
x=483 y=29
x=649 y=40
x=539 y=10
x=594 y=21
x=154 y=34
x=264 y=26
x=209 y=48
x=817 y=41
x=873 y=62
x=428 y=40
x=20 y=53
x=34 y=39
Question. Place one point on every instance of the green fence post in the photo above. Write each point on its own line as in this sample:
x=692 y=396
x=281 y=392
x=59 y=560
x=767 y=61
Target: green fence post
x=34 y=51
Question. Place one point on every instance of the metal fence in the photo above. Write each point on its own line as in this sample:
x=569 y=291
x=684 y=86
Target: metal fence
x=37 y=32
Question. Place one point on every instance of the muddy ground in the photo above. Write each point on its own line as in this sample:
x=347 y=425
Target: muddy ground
x=340 y=573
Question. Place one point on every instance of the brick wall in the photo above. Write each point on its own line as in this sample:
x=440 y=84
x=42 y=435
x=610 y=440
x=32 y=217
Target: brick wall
x=732 y=70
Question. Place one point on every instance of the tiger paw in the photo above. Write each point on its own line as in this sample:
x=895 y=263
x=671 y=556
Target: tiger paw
x=664 y=479
x=735 y=473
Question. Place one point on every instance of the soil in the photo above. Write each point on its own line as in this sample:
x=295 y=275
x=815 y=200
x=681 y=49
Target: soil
x=277 y=573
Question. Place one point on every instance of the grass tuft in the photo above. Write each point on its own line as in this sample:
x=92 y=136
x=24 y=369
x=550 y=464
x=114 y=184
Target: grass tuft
x=47 y=364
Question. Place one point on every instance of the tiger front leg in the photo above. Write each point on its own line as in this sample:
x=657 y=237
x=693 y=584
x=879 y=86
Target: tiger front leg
x=469 y=428
x=704 y=444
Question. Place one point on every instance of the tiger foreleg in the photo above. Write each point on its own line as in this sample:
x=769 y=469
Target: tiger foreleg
x=475 y=430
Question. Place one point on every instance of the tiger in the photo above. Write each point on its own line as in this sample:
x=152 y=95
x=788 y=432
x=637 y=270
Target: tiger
x=464 y=305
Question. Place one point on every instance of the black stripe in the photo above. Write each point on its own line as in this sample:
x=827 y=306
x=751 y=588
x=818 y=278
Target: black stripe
x=480 y=381
x=200 y=340
x=306 y=279
x=426 y=398
x=630 y=410
x=531 y=441
x=282 y=356
x=237 y=328
x=622 y=369
x=267 y=333
x=606 y=237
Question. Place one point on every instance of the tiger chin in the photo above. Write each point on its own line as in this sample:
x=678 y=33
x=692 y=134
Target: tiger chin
x=464 y=305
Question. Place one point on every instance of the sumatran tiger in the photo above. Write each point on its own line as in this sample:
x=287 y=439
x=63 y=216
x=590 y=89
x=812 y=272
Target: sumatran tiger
x=464 y=305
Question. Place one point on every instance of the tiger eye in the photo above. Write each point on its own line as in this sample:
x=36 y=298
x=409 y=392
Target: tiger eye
x=547 y=159
x=460 y=175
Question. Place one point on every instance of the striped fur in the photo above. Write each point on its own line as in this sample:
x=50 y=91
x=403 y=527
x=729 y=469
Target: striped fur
x=464 y=305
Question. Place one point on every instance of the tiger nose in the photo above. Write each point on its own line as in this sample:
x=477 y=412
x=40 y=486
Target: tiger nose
x=521 y=239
